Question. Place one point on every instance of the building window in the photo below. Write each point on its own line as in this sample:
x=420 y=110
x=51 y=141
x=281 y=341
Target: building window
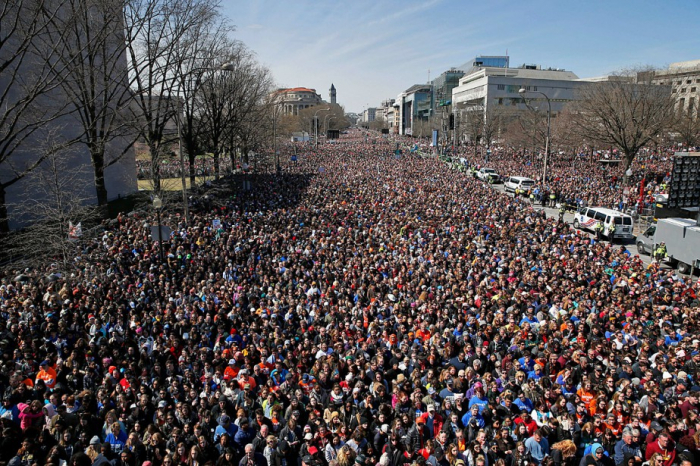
x=692 y=89
x=683 y=90
x=500 y=101
x=501 y=87
x=689 y=81
x=534 y=88
x=673 y=91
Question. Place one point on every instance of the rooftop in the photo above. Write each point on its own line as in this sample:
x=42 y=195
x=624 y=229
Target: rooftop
x=297 y=89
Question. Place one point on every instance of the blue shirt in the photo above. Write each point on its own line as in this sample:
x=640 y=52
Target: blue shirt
x=467 y=417
x=524 y=403
x=538 y=450
x=221 y=430
x=480 y=402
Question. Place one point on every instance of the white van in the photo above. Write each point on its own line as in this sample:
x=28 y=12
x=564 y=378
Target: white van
x=518 y=182
x=616 y=224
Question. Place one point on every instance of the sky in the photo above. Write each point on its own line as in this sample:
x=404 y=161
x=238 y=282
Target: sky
x=374 y=50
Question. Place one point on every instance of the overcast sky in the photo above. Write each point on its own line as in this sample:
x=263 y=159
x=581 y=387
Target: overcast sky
x=373 y=50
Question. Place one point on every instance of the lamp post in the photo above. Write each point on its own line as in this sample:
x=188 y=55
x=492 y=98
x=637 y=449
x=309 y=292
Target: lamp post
x=275 y=114
x=324 y=123
x=316 y=124
x=549 y=125
x=158 y=204
x=328 y=126
x=185 y=204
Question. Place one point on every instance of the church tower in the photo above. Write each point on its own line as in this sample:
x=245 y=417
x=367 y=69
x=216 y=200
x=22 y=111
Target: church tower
x=332 y=92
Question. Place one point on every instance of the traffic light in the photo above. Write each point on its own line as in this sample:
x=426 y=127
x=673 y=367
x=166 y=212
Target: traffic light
x=452 y=121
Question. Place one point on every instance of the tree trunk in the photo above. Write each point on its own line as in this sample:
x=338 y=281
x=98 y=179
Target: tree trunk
x=629 y=158
x=155 y=166
x=98 y=166
x=191 y=157
x=4 y=221
x=216 y=165
x=232 y=155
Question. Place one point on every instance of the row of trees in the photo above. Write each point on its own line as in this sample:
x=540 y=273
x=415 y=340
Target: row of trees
x=98 y=75
x=627 y=112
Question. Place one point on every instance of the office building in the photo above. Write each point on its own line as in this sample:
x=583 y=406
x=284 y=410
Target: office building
x=684 y=80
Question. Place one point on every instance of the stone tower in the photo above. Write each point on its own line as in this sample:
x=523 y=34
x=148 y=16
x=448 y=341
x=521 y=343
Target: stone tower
x=332 y=92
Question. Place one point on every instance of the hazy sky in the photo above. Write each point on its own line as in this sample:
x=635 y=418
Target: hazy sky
x=373 y=50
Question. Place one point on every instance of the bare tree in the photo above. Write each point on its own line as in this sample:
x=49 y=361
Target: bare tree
x=90 y=37
x=54 y=201
x=687 y=127
x=496 y=119
x=623 y=113
x=153 y=30
x=562 y=136
x=26 y=79
x=236 y=104
x=202 y=51
x=470 y=123
x=527 y=129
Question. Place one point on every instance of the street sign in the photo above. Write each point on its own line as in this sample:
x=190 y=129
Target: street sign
x=164 y=233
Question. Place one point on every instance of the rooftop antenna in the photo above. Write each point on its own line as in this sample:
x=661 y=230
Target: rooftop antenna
x=428 y=75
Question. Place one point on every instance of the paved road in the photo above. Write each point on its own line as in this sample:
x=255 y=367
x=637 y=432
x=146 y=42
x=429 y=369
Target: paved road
x=569 y=218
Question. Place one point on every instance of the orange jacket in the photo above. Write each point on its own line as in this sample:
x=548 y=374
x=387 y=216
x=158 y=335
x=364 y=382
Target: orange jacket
x=48 y=376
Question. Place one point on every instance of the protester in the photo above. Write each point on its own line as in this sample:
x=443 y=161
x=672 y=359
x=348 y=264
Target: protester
x=357 y=308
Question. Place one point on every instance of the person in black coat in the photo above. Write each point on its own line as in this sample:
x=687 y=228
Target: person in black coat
x=396 y=451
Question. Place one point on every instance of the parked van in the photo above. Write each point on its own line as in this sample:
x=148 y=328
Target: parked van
x=616 y=224
x=518 y=182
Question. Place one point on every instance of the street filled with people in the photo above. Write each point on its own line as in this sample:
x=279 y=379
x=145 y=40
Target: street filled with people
x=359 y=308
x=584 y=177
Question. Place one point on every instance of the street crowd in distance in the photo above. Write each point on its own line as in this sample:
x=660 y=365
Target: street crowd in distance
x=585 y=177
x=357 y=309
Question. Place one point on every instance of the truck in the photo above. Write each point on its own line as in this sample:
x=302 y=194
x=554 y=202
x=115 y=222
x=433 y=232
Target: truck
x=682 y=239
x=488 y=174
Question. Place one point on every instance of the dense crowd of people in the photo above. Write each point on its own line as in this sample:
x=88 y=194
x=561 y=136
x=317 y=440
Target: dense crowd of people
x=358 y=309
x=171 y=168
x=588 y=177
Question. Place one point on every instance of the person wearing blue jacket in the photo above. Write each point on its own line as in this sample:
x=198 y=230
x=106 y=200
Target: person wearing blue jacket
x=244 y=436
x=473 y=414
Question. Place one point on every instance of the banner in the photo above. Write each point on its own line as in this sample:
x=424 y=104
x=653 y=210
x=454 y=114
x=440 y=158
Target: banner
x=74 y=231
x=435 y=138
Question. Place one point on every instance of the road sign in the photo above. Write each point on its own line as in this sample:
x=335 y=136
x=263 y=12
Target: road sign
x=164 y=233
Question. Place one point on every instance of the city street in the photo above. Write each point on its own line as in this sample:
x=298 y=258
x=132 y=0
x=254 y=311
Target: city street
x=569 y=218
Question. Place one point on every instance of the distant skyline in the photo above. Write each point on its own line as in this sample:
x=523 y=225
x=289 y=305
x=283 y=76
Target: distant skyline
x=373 y=50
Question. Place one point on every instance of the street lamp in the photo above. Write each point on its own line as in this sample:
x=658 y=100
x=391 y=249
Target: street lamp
x=324 y=122
x=275 y=114
x=158 y=205
x=328 y=126
x=316 y=124
x=549 y=125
